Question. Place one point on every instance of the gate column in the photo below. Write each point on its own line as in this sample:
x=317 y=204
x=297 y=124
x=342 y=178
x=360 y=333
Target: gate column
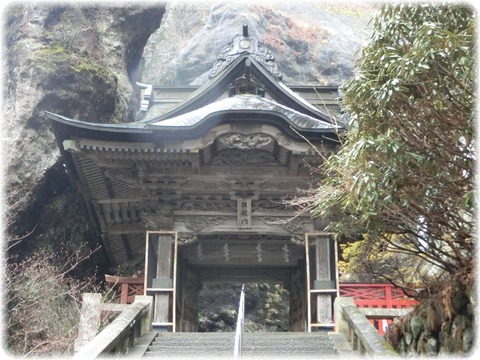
x=298 y=306
x=322 y=279
x=160 y=276
x=188 y=288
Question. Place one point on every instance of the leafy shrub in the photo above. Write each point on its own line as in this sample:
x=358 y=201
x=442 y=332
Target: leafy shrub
x=43 y=305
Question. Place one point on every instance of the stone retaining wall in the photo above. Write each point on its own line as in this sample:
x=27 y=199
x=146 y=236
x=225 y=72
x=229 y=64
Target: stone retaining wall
x=441 y=325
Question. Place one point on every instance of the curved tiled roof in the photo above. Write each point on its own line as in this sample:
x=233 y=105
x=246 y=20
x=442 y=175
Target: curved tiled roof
x=244 y=104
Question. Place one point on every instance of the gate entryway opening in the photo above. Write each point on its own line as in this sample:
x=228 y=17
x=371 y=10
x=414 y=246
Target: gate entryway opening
x=175 y=273
x=266 y=307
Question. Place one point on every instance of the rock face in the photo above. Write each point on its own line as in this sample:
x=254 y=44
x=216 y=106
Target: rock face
x=440 y=325
x=313 y=43
x=78 y=61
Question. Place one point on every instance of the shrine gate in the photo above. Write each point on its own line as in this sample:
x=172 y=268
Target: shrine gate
x=197 y=188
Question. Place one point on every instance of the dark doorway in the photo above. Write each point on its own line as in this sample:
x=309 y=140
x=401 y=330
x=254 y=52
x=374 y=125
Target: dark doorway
x=267 y=307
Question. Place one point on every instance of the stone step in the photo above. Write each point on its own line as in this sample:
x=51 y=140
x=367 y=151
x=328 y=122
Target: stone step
x=255 y=345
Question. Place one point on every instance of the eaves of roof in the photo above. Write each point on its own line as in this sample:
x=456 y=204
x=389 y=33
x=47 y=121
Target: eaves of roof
x=133 y=127
x=245 y=104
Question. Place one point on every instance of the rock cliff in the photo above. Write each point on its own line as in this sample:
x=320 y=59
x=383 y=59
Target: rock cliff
x=75 y=60
x=313 y=42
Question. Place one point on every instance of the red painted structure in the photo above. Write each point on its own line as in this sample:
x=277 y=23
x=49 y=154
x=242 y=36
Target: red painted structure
x=129 y=287
x=377 y=296
x=364 y=295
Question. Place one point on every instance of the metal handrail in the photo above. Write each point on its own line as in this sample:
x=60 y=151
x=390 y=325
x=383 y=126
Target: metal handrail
x=237 y=351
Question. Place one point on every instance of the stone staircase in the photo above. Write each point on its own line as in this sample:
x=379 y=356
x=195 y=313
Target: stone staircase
x=255 y=345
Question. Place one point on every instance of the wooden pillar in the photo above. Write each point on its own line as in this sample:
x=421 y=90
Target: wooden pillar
x=189 y=288
x=124 y=294
x=164 y=278
x=298 y=307
x=160 y=275
x=323 y=279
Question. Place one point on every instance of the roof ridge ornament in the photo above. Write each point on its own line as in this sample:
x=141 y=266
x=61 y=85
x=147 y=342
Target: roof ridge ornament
x=245 y=44
x=147 y=96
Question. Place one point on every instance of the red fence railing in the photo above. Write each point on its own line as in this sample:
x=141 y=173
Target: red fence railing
x=377 y=296
x=129 y=287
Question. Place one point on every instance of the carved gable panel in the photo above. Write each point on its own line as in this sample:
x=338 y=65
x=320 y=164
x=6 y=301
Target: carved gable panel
x=246 y=142
x=237 y=149
x=238 y=157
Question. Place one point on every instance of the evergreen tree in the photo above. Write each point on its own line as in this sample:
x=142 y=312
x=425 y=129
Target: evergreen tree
x=404 y=177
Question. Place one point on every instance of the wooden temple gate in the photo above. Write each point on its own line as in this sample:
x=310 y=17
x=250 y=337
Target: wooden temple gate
x=206 y=172
x=163 y=282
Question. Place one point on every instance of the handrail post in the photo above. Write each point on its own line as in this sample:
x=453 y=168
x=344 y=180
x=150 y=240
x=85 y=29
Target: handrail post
x=147 y=319
x=119 y=336
x=362 y=335
x=237 y=352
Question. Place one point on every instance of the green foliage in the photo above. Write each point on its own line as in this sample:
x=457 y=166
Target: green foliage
x=407 y=164
x=366 y=261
